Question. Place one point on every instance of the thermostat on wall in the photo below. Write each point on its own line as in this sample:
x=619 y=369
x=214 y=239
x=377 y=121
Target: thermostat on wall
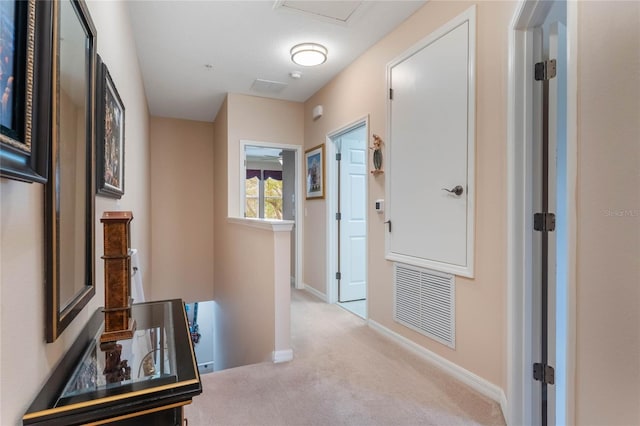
x=379 y=206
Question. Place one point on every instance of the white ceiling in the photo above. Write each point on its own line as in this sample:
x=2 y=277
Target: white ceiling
x=248 y=40
x=259 y=153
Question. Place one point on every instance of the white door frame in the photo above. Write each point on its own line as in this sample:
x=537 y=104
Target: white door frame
x=529 y=15
x=298 y=192
x=331 y=290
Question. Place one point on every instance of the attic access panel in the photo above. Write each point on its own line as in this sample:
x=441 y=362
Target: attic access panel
x=339 y=11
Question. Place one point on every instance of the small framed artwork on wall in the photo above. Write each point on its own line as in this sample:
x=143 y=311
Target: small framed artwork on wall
x=314 y=161
x=110 y=136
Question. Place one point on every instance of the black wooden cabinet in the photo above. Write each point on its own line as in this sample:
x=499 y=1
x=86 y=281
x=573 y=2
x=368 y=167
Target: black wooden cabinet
x=147 y=379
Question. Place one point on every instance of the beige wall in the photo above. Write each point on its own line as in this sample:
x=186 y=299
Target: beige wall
x=182 y=197
x=360 y=90
x=245 y=320
x=26 y=360
x=220 y=169
x=263 y=120
x=608 y=202
x=245 y=259
x=118 y=52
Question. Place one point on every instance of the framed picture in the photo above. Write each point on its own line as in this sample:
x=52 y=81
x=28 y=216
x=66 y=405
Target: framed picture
x=110 y=136
x=314 y=161
x=25 y=89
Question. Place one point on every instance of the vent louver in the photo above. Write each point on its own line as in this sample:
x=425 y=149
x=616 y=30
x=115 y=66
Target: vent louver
x=425 y=302
x=268 y=86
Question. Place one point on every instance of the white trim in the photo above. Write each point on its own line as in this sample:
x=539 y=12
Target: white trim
x=466 y=270
x=530 y=14
x=332 y=203
x=472 y=380
x=282 y=356
x=299 y=219
x=519 y=207
x=266 y=224
x=518 y=263
x=331 y=295
x=315 y=292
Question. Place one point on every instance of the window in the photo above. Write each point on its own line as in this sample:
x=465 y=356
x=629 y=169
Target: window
x=273 y=199
x=252 y=197
x=263 y=194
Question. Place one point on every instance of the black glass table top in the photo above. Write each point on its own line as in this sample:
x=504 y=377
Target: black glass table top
x=157 y=362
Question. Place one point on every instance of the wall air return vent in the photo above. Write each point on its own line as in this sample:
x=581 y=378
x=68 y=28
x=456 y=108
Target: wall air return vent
x=425 y=302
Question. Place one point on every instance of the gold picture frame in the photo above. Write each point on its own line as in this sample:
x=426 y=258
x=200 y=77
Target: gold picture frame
x=314 y=172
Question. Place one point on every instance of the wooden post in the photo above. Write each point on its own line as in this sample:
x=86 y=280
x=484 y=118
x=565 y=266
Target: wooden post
x=118 y=324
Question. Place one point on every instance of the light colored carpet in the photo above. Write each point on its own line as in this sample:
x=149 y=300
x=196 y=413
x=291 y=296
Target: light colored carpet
x=343 y=373
x=358 y=307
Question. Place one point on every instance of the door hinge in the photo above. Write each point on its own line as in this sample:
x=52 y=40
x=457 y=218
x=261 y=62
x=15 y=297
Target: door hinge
x=339 y=156
x=544 y=373
x=545 y=70
x=338 y=216
x=338 y=275
x=545 y=222
x=391 y=94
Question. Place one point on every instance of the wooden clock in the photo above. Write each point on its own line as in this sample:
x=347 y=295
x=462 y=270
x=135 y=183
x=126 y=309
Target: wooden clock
x=118 y=323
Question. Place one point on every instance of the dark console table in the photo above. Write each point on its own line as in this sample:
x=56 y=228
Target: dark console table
x=144 y=380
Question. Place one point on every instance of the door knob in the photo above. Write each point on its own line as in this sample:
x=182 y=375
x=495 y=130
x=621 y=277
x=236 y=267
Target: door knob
x=458 y=190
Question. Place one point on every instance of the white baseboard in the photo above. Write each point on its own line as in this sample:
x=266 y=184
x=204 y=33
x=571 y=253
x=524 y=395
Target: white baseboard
x=315 y=292
x=282 y=356
x=476 y=382
x=206 y=367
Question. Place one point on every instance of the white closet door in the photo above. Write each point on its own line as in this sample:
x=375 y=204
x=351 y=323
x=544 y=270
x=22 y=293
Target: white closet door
x=431 y=150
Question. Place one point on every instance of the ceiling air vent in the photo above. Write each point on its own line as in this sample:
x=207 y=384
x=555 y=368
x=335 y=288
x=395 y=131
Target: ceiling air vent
x=267 y=86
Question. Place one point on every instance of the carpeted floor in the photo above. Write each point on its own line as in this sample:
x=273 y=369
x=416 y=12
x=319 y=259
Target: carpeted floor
x=343 y=373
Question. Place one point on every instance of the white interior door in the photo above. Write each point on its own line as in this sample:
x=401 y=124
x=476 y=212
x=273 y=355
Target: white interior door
x=550 y=298
x=353 y=223
x=551 y=265
x=556 y=394
x=532 y=18
x=431 y=151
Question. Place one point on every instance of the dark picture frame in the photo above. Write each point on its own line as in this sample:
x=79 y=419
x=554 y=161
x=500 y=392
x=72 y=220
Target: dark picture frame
x=69 y=200
x=25 y=89
x=314 y=172
x=109 y=136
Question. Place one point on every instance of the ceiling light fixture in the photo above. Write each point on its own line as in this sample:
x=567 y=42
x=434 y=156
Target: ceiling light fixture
x=309 y=54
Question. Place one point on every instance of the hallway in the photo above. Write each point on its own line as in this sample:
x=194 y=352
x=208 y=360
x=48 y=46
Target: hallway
x=343 y=373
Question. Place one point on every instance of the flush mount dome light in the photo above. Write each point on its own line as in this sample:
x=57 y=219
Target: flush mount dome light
x=308 y=54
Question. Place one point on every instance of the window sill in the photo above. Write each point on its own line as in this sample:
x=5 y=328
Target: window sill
x=266 y=224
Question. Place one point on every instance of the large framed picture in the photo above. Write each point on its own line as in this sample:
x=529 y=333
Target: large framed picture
x=25 y=89
x=314 y=161
x=110 y=136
